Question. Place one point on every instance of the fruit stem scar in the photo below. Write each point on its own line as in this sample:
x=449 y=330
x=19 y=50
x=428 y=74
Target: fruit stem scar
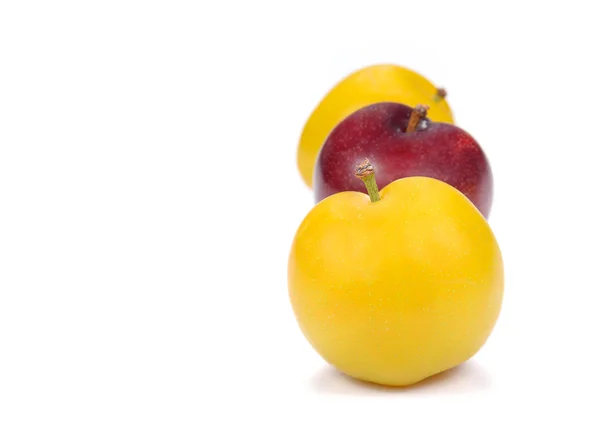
x=440 y=94
x=418 y=113
x=366 y=173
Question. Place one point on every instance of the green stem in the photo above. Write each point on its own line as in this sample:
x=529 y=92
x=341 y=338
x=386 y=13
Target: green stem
x=372 y=188
x=366 y=173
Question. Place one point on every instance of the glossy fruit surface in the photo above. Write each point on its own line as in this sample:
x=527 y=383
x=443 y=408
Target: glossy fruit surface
x=376 y=83
x=395 y=291
x=378 y=132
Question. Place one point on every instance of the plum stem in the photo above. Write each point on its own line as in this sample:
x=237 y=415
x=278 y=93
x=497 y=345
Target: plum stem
x=418 y=113
x=365 y=172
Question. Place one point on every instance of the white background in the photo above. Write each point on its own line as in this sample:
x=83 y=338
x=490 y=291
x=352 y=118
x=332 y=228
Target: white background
x=149 y=196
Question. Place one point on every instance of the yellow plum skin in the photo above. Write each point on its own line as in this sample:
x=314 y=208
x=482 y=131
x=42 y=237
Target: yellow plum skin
x=375 y=83
x=395 y=291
